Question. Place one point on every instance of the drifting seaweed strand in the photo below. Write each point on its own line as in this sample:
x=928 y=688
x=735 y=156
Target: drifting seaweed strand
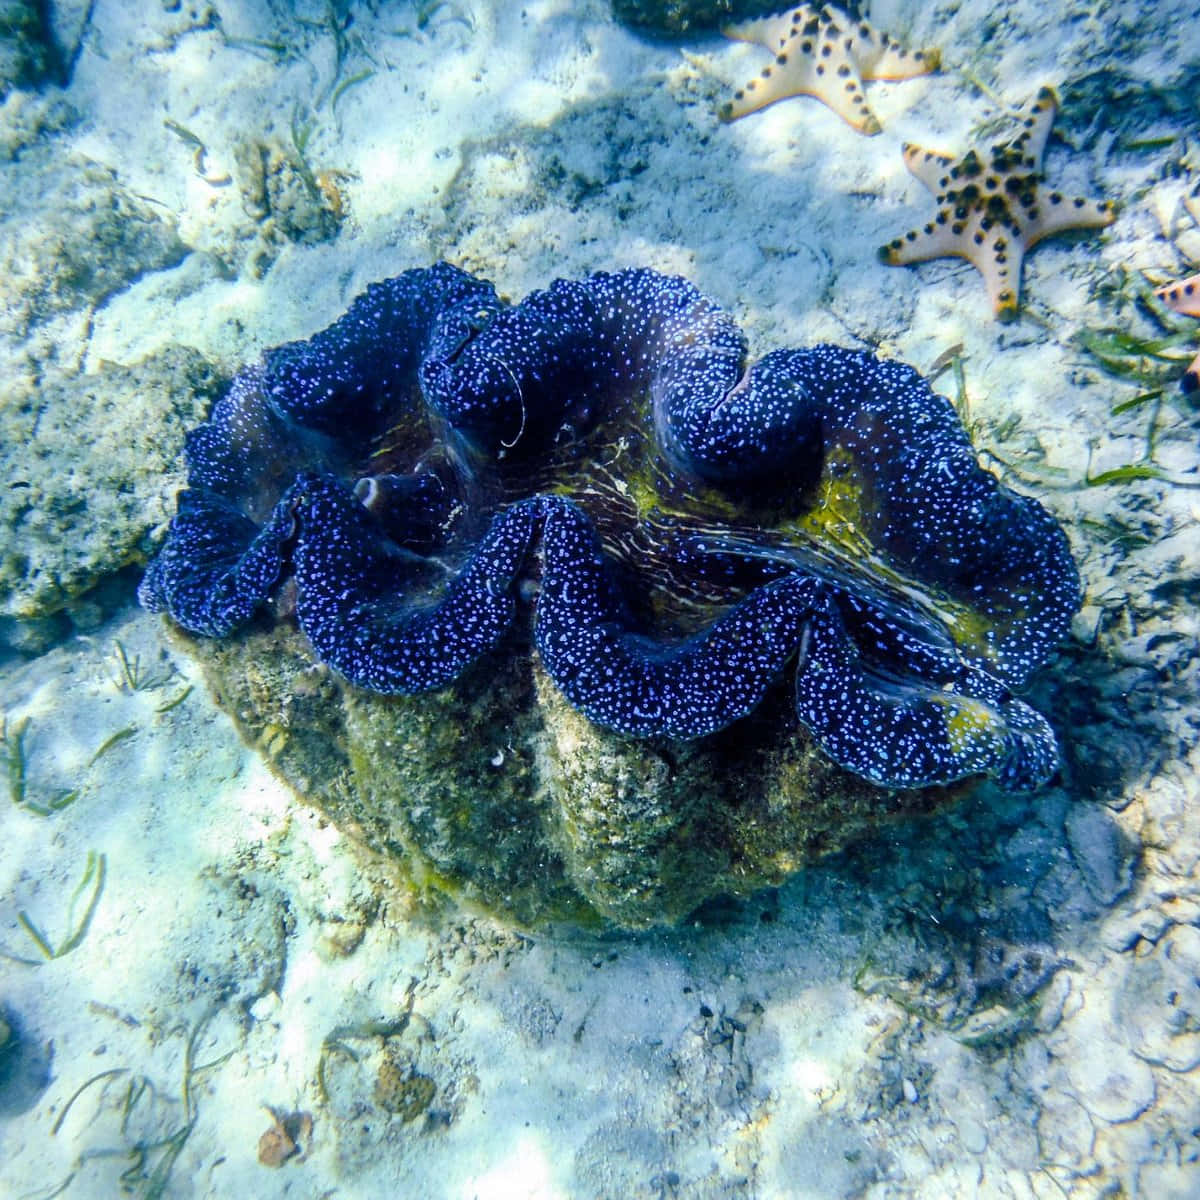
x=94 y=876
x=176 y=701
x=115 y=739
x=35 y=934
x=130 y=676
x=83 y=1087
x=12 y=742
x=1142 y=360
x=16 y=768
x=347 y=84
x=1125 y=406
x=136 y=1179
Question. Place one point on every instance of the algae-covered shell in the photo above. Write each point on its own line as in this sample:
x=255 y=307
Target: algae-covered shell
x=498 y=793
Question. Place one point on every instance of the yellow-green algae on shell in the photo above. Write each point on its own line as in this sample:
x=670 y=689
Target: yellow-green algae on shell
x=497 y=793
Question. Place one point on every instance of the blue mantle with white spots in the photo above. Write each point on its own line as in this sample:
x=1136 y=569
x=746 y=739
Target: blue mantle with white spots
x=685 y=528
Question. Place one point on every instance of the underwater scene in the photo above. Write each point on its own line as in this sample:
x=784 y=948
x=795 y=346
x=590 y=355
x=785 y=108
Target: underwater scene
x=598 y=600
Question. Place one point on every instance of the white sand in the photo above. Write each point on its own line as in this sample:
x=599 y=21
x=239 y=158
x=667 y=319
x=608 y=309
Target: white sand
x=544 y=140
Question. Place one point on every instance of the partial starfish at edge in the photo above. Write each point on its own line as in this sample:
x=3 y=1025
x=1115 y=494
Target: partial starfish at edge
x=821 y=51
x=992 y=209
x=1184 y=298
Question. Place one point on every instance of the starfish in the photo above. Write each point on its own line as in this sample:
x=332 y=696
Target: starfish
x=822 y=52
x=1184 y=297
x=993 y=212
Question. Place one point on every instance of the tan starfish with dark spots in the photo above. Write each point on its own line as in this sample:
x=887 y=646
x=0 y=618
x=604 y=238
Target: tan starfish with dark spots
x=1184 y=297
x=821 y=51
x=993 y=209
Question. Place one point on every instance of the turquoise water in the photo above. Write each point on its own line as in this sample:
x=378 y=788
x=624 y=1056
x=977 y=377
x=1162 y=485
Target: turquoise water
x=266 y=935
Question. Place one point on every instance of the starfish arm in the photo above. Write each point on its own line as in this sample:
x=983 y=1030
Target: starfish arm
x=920 y=245
x=993 y=251
x=1053 y=213
x=930 y=167
x=879 y=57
x=839 y=85
x=836 y=70
x=788 y=75
x=771 y=32
x=1191 y=377
x=1182 y=297
x=774 y=82
x=999 y=258
x=1036 y=122
x=807 y=66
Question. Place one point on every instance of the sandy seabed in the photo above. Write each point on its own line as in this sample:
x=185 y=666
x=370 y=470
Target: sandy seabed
x=1001 y=1002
